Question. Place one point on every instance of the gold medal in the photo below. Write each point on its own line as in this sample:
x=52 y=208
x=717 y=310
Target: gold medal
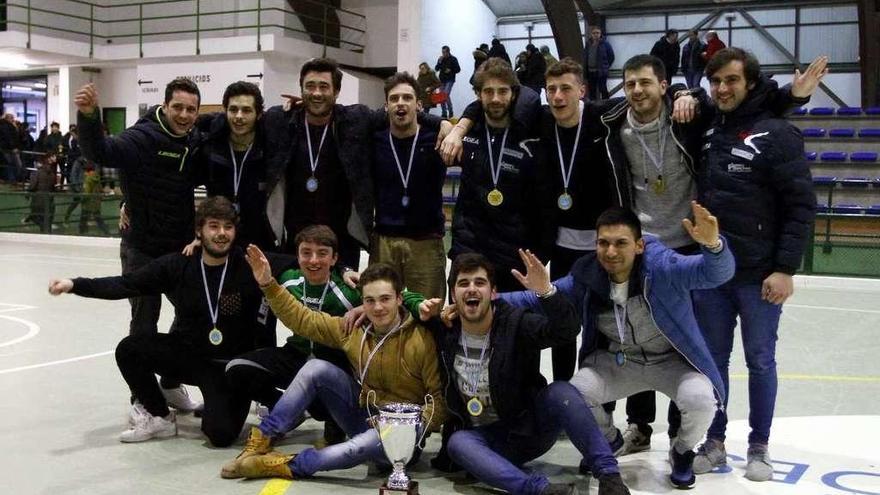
x=659 y=185
x=495 y=198
x=474 y=407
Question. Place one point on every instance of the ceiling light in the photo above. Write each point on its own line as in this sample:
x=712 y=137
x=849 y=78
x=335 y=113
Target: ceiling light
x=40 y=85
x=13 y=62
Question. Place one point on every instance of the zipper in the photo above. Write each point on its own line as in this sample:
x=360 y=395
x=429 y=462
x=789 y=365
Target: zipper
x=719 y=402
x=683 y=150
x=611 y=161
x=449 y=378
x=183 y=160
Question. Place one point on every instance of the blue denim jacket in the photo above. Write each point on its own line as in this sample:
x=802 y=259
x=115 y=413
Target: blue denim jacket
x=666 y=278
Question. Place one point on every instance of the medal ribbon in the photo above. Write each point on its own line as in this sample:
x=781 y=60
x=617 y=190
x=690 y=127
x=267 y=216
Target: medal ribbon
x=496 y=172
x=362 y=371
x=412 y=152
x=662 y=138
x=566 y=175
x=620 y=320
x=313 y=158
x=215 y=312
x=236 y=173
x=473 y=380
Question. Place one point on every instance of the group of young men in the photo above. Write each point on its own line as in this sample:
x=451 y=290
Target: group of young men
x=575 y=183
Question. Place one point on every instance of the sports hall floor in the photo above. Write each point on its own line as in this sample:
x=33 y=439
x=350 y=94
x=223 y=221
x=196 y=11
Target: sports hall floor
x=64 y=403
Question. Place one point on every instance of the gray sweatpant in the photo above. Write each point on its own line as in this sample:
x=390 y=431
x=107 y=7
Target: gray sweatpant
x=601 y=380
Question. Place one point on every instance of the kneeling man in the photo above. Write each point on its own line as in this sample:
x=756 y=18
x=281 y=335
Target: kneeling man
x=639 y=329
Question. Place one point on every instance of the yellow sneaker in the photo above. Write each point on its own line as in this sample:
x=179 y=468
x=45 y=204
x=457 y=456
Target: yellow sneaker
x=271 y=465
x=257 y=444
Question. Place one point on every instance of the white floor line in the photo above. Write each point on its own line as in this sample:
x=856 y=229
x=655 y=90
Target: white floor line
x=33 y=330
x=832 y=308
x=53 y=363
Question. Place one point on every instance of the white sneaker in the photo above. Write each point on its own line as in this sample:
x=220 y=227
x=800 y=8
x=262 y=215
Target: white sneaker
x=137 y=410
x=147 y=427
x=179 y=399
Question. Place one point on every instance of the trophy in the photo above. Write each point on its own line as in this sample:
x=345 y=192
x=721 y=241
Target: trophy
x=398 y=425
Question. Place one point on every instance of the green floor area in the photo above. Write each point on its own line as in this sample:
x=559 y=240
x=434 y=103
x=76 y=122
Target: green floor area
x=839 y=259
x=20 y=213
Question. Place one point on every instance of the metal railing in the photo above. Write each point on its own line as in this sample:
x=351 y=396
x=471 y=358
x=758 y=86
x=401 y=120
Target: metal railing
x=101 y=21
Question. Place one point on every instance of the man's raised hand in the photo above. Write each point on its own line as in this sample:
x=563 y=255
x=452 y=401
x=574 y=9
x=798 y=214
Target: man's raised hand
x=804 y=84
x=704 y=228
x=537 y=277
x=259 y=265
x=430 y=308
x=86 y=99
x=60 y=286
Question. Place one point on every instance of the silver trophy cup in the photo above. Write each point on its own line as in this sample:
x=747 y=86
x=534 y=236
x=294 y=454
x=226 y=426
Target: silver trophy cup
x=400 y=430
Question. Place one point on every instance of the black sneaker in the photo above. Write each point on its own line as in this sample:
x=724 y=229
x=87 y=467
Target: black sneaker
x=612 y=484
x=682 y=475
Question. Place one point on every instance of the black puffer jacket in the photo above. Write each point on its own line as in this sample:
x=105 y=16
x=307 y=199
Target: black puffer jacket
x=758 y=184
x=158 y=177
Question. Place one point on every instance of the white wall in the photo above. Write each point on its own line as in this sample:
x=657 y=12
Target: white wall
x=53 y=102
x=69 y=81
x=381 y=26
x=118 y=87
x=463 y=25
x=212 y=77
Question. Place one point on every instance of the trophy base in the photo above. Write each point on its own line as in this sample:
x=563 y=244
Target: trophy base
x=412 y=490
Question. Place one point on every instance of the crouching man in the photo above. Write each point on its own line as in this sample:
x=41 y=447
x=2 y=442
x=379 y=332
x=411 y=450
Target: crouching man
x=502 y=411
x=393 y=356
x=639 y=329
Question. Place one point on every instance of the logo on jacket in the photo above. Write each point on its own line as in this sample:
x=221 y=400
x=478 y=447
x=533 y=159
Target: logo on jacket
x=169 y=154
x=739 y=168
x=747 y=140
x=472 y=140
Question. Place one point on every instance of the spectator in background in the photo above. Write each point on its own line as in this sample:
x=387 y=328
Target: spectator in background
x=481 y=54
x=10 y=146
x=692 y=63
x=549 y=59
x=429 y=83
x=447 y=67
x=535 y=68
x=520 y=68
x=599 y=58
x=498 y=50
x=713 y=44
x=91 y=203
x=668 y=50
x=42 y=185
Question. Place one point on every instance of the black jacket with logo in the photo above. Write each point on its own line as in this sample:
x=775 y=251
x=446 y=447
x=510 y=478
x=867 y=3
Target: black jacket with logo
x=758 y=183
x=158 y=176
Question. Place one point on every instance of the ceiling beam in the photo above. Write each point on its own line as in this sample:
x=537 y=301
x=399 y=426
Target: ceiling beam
x=563 y=20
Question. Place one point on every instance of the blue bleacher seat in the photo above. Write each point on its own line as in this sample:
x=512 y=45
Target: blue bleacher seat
x=813 y=132
x=850 y=208
x=873 y=210
x=849 y=111
x=855 y=181
x=449 y=200
x=821 y=208
x=811 y=155
x=844 y=132
x=824 y=180
x=822 y=111
x=799 y=111
x=833 y=156
x=872 y=111
x=869 y=132
x=453 y=174
x=863 y=156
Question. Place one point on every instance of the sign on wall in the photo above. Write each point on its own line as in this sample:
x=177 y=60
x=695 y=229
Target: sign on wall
x=211 y=77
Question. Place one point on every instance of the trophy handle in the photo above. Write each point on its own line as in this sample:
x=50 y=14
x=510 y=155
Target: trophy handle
x=372 y=393
x=425 y=427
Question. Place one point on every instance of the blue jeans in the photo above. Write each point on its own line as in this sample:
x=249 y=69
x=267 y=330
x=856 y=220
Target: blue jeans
x=446 y=106
x=716 y=311
x=495 y=452
x=319 y=379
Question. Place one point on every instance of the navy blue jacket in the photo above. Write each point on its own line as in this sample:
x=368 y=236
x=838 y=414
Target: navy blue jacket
x=758 y=184
x=665 y=279
x=604 y=57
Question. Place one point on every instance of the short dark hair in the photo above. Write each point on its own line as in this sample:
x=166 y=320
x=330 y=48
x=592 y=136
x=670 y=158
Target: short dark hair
x=445 y=47
x=566 y=65
x=182 y=84
x=322 y=65
x=469 y=263
x=495 y=68
x=620 y=216
x=381 y=271
x=218 y=207
x=643 y=60
x=321 y=235
x=751 y=66
x=54 y=124
x=670 y=32
x=240 y=88
x=402 y=78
